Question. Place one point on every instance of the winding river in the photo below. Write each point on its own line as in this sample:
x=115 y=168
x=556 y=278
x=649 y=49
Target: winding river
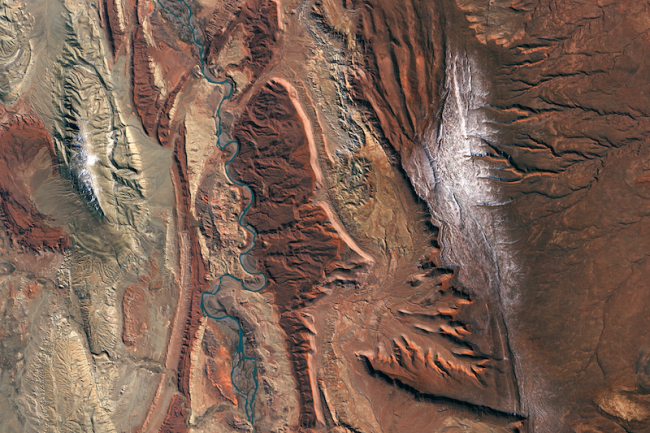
x=240 y=357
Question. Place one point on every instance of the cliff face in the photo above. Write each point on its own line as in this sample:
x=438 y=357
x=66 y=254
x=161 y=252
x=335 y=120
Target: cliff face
x=324 y=216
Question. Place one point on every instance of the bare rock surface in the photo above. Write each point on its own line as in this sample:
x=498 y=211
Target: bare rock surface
x=324 y=216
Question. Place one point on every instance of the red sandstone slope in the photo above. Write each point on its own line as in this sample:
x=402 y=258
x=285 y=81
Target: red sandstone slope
x=20 y=143
x=257 y=21
x=295 y=242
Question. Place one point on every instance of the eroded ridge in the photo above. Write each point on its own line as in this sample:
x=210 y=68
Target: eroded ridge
x=24 y=144
x=116 y=12
x=158 y=73
x=447 y=343
x=394 y=53
x=96 y=150
x=97 y=154
x=83 y=126
x=61 y=392
x=295 y=241
x=241 y=41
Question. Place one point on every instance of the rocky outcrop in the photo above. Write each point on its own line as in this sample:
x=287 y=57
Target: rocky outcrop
x=118 y=15
x=156 y=88
x=176 y=415
x=295 y=241
x=24 y=146
x=134 y=310
x=241 y=43
x=447 y=343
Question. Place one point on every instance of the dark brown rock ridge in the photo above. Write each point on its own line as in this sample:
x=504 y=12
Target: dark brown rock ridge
x=253 y=23
x=295 y=242
x=176 y=415
x=448 y=343
x=118 y=15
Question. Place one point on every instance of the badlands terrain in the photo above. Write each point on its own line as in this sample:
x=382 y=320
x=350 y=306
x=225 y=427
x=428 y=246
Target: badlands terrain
x=344 y=216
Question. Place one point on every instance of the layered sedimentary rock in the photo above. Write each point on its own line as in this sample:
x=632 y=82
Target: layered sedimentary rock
x=23 y=142
x=157 y=81
x=295 y=241
x=241 y=40
x=324 y=216
x=117 y=14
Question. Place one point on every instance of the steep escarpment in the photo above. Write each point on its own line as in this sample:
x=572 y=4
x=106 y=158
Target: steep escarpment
x=241 y=41
x=532 y=159
x=295 y=241
x=191 y=318
x=159 y=72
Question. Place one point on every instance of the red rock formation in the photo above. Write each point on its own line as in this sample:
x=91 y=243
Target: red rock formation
x=445 y=341
x=218 y=374
x=295 y=242
x=198 y=270
x=176 y=414
x=158 y=74
x=145 y=94
x=300 y=334
x=150 y=277
x=258 y=20
x=401 y=75
x=164 y=129
x=20 y=143
x=116 y=12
